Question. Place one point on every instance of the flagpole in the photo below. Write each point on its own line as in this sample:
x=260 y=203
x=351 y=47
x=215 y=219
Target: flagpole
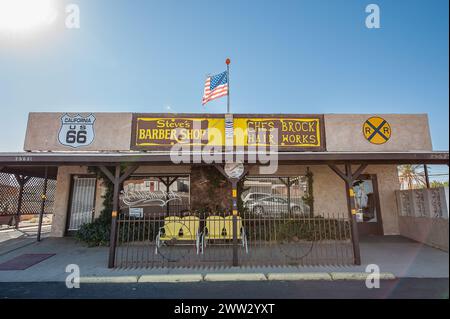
x=227 y=61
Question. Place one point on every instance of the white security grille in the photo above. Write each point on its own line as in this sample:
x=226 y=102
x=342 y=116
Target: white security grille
x=82 y=206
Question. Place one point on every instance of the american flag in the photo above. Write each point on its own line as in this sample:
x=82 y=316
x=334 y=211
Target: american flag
x=215 y=86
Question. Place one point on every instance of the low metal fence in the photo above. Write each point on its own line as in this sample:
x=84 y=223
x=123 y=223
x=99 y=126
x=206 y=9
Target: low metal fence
x=275 y=225
x=182 y=238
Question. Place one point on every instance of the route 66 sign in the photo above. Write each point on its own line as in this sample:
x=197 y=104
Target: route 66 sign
x=76 y=131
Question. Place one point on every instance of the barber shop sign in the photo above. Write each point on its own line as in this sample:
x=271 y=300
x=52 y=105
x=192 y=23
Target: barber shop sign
x=76 y=131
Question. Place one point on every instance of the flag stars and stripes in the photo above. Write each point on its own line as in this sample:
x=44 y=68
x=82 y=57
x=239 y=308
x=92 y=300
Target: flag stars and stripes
x=216 y=86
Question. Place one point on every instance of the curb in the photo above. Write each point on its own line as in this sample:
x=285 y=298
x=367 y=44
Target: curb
x=171 y=278
x=359 y=276
x=217 y=277
x=299 y=276
x=235 y=277
x=110 y=279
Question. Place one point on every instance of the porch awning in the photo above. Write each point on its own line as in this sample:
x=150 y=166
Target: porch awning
x=22 y=159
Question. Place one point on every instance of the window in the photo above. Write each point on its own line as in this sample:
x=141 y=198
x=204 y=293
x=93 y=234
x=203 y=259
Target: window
x=156 y=194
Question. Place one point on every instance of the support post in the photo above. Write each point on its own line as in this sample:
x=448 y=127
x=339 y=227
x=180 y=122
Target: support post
x=352 y=210
x=234 y=183
x=43 y=199
x=168 y=182
x=113 y=235
x=19 y=202
x=289 y=195
x=116 y=180
x=427 y=177
x=21 y=180
x=348 y=177
x=287 y=183
x=234 y=208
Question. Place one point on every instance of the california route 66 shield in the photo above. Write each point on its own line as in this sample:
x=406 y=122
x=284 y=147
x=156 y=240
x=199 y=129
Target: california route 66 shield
x=76 y=131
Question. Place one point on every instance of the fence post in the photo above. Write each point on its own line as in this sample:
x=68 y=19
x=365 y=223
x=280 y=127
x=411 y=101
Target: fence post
x=43 y=199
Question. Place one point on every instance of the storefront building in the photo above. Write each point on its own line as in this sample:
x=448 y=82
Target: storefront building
x=252 y=188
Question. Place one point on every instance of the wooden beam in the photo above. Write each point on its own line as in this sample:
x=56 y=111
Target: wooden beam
x=341 y=174
x=107 y=172
x=427 y=177
x=221 y=170
x=130 y=170
x=43 y=200
x=171 y=181
x=348 y=178
x=113 y=234
x=22 y=180
x=162 y=181
x=359 y=171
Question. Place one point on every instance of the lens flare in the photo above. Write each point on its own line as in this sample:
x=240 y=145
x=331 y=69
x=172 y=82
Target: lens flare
x=26 y=15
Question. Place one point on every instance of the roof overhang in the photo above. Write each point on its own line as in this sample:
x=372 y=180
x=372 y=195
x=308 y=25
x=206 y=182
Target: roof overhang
x=24 y=159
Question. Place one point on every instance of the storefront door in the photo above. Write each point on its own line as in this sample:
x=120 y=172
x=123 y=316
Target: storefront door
x=82 y=202
x=367 y=202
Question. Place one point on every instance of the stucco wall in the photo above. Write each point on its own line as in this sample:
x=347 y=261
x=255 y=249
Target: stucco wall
x=431 y=231
x=112 y=132
x=410 y=132
x=62 y=195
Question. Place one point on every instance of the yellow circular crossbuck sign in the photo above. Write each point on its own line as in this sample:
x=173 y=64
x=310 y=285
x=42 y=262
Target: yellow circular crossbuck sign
x=377 y=130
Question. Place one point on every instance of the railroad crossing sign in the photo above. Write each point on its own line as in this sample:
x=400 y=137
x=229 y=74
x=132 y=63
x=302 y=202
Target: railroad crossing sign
x=377 y=130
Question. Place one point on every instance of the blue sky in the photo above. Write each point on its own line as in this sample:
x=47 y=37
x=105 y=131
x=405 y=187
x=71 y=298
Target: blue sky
x=287 y=57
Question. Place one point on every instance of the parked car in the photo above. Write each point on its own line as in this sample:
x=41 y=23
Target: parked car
x=254 y=196
x=274 y=206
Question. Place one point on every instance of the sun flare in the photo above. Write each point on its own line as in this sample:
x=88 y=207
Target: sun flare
x=26 y=15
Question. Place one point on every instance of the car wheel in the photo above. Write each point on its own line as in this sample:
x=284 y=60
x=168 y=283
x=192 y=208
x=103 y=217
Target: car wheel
x=258 y=210
x=296 y=210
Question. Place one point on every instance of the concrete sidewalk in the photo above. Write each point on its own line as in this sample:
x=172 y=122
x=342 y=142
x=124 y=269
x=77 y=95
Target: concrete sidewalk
x=394 y=255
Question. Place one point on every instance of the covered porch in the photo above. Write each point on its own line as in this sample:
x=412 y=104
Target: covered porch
x=341 y=248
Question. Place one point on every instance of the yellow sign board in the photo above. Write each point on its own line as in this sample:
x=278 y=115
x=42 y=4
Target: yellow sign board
x=377 y=130
x=160 y=132
x=286 y=133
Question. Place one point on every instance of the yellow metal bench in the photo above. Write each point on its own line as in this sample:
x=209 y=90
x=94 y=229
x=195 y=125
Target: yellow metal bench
x=220 y=228
x=179 y=229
